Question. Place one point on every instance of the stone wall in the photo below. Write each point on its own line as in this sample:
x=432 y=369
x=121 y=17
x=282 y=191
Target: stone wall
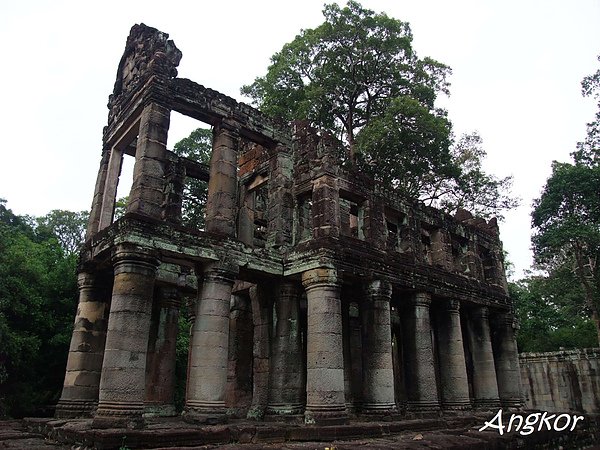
x=567 y=380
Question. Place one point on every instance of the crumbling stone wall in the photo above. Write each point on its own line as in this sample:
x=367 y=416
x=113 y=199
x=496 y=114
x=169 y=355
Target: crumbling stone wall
x=567 y=380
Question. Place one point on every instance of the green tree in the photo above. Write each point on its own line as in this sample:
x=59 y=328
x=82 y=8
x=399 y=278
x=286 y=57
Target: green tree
x=551 y=312
x=358 y=77
x=346 y=71
x=566 y=217
x=197 y=147
x=483 y=194
x=67 y=226
x=38 y=293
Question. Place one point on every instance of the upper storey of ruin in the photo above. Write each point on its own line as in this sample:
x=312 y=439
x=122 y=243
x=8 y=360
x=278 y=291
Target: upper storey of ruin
x=278 y=197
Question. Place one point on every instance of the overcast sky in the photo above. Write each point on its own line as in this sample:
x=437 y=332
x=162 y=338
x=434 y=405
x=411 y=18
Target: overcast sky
x=517 y=67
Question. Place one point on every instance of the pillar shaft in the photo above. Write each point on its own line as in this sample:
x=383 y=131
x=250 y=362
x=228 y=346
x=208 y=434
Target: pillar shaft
x=84 y=364
x=222 y=185
x=485 y=386
x=507 y=362
x=453 y=370
x=378 y=367
x=286 y=375
x=420 y=376
x=238 y=393
x=261 y=318
x=110 y=188
x=209 y=348
x=325 y=356
x=122 y=386
x=94 y=219
x=160 y=364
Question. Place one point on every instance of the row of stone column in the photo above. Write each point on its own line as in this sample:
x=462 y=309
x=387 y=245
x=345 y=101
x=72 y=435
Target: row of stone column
x=116 y=371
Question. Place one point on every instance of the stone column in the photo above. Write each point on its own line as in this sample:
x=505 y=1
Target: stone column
x=286 y=374
x=123 y=382
x=261 y=318
x=378 y=367
x=222 y=185
x=208 y=372
x=355 y=344
x=485 y=386
x=326 y=207
x=420 y=375
x=348 y=394
x=110 y=188
x=453 y=370
x=325 y=355
x=238 y=391
x=147 y=195
x=84 y=364
x=281 y=205
x=507 y=361
x=160 y=362
x=94 y=219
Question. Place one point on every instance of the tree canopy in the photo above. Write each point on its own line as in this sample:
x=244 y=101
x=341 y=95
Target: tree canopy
x=358 y=77
x=38 y=294
x=566 y=217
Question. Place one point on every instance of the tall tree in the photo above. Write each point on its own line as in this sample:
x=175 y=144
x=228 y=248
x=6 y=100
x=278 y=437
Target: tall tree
x=346 y=71
x=358 y=77
x=566 y=217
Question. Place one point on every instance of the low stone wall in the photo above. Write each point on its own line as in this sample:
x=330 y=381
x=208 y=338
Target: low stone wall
x=567 y=380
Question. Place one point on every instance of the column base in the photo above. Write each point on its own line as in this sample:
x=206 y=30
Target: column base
x=159 y=410
x=209 y=413
x=511 y=403
x=486 y=403
x=73 y=409
x=284 y=409
x=378 y=408
x=456 y=405
x=325 y=415
x=119 y=415
x=423 y=406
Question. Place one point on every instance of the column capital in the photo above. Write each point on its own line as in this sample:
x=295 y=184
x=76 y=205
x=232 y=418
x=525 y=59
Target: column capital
x=378 y=290
x=480 y=312
x=86 y=280
x=504 y=318
x=321 y=276
x=127 y=258
x=220 y=271
x=288 y=288
x=228 y=125
x=420 y=299
x=452 y=305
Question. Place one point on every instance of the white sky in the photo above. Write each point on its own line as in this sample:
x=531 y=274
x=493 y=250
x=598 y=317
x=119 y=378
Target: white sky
x=517 y=67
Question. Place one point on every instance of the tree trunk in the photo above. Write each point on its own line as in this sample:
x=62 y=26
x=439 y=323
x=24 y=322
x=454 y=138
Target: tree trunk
x=587 y=287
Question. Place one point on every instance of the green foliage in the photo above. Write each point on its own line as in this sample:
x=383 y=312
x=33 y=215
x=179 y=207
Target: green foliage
x=67 y=226
x=38 y=293
x=346 y=71
x=551 y=313
x=197 y=147
x=411 y=136
x=181 y=358
x=566 y=217
x=358 y=77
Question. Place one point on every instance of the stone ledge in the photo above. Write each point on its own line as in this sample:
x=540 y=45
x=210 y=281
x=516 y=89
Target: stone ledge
x=418 y=433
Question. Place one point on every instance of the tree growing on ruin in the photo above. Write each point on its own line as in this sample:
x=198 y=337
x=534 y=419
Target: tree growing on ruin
x=358 y=77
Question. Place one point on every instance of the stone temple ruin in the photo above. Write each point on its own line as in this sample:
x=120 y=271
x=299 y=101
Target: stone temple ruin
x=315 y=292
